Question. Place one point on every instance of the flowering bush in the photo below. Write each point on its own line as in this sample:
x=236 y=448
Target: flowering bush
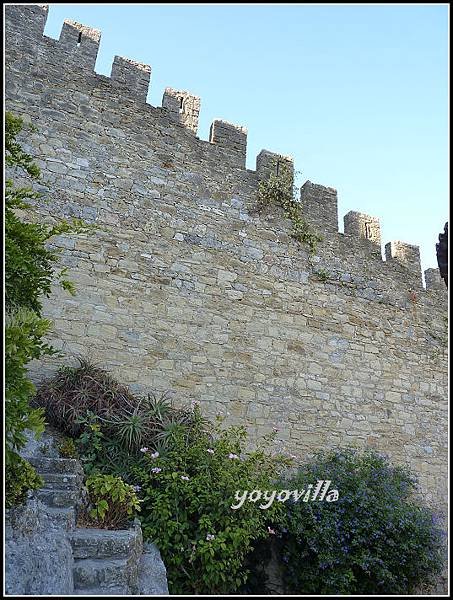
x=373 y=540
x=187 y=497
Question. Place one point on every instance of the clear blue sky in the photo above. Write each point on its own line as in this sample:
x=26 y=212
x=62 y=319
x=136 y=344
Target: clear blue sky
x=357 y=94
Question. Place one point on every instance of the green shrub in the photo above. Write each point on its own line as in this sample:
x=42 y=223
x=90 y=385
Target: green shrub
x=91 y=445
x=20 y=477
x=67 y=448
x=113 y=503
x=258 y=564
x=24 y=331
x=187 y=497
x=373 y=540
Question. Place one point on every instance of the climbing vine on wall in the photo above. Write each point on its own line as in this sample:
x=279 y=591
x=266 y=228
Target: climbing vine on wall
x=279 y=190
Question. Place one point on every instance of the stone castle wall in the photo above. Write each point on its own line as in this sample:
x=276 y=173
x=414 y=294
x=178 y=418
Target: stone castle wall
x=184 y=287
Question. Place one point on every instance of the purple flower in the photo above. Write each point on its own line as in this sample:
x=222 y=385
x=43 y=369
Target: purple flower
x=154 y=454
x=156 y=470
x=210 y=537
x=233 y=456
x=210 y=450
x=137 y=488
x=143 y=449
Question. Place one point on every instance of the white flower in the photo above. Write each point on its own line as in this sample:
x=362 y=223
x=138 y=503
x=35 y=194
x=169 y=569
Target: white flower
x=184 y=477
x=143 y=449
x=210 y=537
x=156 y=470
x=155 y=455
x=210 y=450
x=231 y=455
x=271 y=531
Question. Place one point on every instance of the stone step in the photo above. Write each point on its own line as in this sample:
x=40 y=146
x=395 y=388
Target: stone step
x=61 y=481
x=66 y=466
x=58 y=498
x=104 y=591
x=62 y=517
x=104 y=543
x=152 y=575
x=45 y=445
x=90 y=573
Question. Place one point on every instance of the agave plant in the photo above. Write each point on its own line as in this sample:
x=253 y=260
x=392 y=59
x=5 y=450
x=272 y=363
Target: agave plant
x=160 y=406
x=170 y=432
x=144 y=422
x=181 y=420
x=134 y=426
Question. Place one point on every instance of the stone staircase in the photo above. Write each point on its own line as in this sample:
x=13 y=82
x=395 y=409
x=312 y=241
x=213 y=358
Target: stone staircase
x=106 y=562
x=62 y=491
x=103 y=562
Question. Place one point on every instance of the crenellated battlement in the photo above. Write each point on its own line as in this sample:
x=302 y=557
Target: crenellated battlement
x=30 y=19
x=363 y=226
x=132 y=76
x=129 y=81
x=320 y=207
x=183 y=106
x=80 y=43
x=268 y=163
x=406 y=254
x=434 y=281
x=231 y=137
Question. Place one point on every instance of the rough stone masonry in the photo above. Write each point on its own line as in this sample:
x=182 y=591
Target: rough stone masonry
x=184 y=286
